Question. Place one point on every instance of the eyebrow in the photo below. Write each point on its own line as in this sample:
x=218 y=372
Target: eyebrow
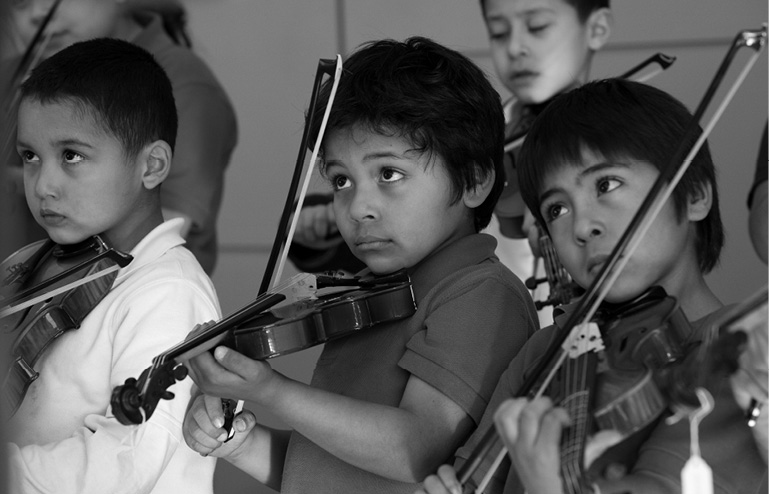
x=61 y=143
x=585 y=172
x=522 y=14
x=369 y=157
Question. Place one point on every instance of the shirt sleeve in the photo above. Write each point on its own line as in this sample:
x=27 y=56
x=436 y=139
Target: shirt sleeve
x=508 y=386
x=470 y=336
x=104 y=455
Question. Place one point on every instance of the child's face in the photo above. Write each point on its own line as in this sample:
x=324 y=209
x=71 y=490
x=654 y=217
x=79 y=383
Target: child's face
x=539 y=47
x=74 y=20
x=587 y=209
x=76 y=178
x=392 y=205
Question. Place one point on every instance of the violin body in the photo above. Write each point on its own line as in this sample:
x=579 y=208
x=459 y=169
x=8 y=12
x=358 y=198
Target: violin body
x=615 y=387
x=37 y=270
x=302 y=325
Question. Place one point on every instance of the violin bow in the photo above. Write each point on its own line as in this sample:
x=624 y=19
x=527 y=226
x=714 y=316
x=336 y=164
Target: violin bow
x=290 y=216
x=661 y=189
x=120 y=259
x=663 y=62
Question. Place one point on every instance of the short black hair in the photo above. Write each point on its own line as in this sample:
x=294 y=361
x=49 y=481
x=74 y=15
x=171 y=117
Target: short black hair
x=619 y=119
x=434 y=97
x=120 y=84
x=583 y=7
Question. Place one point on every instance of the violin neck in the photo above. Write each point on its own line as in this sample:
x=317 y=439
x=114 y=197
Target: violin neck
x=574 y=389
x=216 y=333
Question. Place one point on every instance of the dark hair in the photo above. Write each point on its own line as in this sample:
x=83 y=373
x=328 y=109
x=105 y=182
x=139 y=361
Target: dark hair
x=118 y=83
x=620 y=119
x=434 y=97
x=583 y=7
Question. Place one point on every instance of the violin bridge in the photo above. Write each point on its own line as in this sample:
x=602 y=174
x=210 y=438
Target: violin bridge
x=585 y=337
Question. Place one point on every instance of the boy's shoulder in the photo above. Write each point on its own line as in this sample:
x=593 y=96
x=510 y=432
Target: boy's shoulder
x=161 y=257
x=466 y=263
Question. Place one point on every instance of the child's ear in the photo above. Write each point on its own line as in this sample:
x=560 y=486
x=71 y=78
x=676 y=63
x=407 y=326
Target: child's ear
x=156 y=163
x=599 y=28
x=699 y=203
x=474 y=197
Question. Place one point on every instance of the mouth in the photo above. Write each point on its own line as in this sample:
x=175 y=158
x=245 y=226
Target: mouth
x=51 y=218
x=596 y=263
x=370 y=243
x=522 y=76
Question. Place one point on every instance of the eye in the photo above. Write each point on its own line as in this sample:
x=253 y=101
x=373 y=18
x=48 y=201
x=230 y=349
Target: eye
x=339 y=182
x=553 y=211
x=498 y=30
x=71 y=157
x=607 y=184
x=390 y=175
x=28 y=157
x=537 y=28
x=497 y=35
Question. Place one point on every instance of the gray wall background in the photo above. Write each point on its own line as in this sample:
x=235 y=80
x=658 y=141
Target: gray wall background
x=266 y=52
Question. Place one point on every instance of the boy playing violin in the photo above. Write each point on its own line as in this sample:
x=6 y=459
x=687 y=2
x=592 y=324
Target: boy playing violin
x=539 y=48
x=585 y=168
x=96 y=130
x=413 y=153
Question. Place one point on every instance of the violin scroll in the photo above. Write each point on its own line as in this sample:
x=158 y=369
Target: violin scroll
x=136 y=400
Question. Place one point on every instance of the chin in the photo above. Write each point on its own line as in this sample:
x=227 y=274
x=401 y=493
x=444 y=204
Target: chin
x=66 y=238
x=383 y=266
x=619 y=295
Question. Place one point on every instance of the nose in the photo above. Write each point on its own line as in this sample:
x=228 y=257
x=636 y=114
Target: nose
x=42 y=180
x=516 y=47
x=362 y=205
x=586 y=228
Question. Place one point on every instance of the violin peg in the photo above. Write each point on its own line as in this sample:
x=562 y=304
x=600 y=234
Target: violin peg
x=180 y=372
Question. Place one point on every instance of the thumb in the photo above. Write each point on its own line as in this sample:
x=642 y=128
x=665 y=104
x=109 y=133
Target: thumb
x=244 y=422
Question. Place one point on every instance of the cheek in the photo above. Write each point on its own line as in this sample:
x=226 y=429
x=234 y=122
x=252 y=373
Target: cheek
x=500 y=60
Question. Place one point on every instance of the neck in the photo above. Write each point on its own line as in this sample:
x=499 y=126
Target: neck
x=699 y=300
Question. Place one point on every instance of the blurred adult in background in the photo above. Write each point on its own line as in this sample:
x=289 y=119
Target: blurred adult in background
x=207 y=122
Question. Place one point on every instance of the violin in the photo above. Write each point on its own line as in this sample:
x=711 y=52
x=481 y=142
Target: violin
x=573 y=353
x=49 y=289
x=275 y=324
x=611 y=371
x=262 y=333
x=722 y=352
